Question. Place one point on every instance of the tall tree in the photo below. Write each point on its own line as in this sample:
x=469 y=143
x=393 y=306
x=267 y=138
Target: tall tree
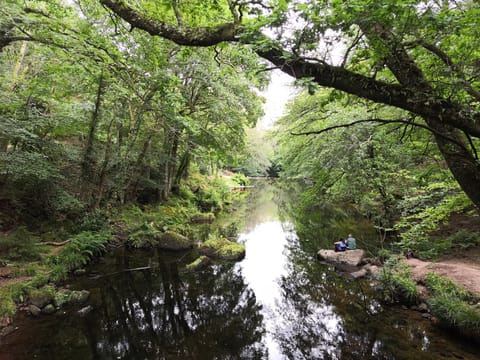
x=419 y=56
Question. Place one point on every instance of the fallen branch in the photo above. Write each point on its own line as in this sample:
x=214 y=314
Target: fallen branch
x=54 y=243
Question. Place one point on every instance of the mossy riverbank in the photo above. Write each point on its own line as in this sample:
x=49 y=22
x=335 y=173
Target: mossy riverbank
x=37 y=262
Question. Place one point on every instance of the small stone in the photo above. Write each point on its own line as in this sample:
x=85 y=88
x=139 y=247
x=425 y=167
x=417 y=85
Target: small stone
x=85 y=310
x=33 y=310
x=423 y=307
x=359 y=274
x=79 y=297
x=49 y=309
x=426 y=316
x=79 y=272
x=7 y=330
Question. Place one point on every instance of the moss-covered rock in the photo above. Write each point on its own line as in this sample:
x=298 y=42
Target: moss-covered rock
x=42 y=296
x=49 y=309
x=62 y=297
x=170 y=240
x=205 y=218
x=79 y=297
x=221 y=248
x=200 y=263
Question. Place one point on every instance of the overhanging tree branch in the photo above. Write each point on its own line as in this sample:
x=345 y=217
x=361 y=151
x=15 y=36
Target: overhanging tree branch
x=182 y=35
x=407 y=95
x=382 y=122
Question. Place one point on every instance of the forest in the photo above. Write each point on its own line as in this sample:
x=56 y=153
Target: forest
x=122 y=120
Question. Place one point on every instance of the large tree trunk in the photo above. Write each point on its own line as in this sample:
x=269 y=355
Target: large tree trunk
x=89 y=162
x=463 y=165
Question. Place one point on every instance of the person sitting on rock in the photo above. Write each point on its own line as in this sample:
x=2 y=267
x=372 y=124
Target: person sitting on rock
x=351 y=242
x=340 y=245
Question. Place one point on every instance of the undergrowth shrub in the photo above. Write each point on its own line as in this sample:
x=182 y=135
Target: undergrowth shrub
x=396 y=282
x=241 y=179
x=80 y=250
x=20 y=244
x=415 y=229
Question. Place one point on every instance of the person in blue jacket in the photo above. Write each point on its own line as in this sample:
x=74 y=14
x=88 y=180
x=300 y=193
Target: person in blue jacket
x=340 y=245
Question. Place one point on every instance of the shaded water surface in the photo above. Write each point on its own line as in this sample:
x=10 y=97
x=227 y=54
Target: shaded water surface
x=278 y=303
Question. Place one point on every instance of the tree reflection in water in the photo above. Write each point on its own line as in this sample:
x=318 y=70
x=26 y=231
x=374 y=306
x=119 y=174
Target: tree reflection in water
x=323 y=315
x=162 y=314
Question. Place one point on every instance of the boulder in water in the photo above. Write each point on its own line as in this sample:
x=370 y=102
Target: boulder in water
x=349 y=257
x=221 y=248
x=170 y=240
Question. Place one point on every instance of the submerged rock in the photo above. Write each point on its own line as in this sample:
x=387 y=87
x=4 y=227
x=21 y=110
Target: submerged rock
x=199 y=264
x=221 y=248
x=170 y=240
x=349 y=257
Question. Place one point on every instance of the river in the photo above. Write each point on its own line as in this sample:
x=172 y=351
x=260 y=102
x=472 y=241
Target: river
x=277 y=303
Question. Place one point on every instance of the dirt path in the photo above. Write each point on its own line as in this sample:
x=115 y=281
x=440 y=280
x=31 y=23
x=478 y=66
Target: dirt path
x=464 y=271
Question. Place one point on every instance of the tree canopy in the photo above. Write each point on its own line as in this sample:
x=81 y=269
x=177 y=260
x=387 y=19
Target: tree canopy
x=419 y=56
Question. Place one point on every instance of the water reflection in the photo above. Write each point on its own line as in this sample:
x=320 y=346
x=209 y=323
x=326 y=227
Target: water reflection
x=161 y=314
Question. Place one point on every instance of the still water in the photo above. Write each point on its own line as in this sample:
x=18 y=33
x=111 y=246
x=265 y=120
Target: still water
x=278 y=303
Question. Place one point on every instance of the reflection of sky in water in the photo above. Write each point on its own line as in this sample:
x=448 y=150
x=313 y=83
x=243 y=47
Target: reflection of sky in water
x=264 y=265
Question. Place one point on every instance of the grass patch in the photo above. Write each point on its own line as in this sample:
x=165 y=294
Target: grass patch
x=450 y=303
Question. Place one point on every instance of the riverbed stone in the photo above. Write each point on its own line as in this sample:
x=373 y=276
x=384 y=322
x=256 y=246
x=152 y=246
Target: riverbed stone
x=349 y=257
x=170 y=240
x=359 y=274
x=62 y=297
x=423 y=308
x=85 y=310
x=7 y=330
x=79 y=297
x=49 y=309
x=33 y=310
x=221 y=248
x=41 y=297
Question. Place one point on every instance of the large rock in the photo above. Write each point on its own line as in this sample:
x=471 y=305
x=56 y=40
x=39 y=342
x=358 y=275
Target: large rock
x=349 y=257
x=170 y=240
x=221 y=248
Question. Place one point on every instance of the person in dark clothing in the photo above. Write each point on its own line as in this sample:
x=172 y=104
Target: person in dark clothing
x=340 y=245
